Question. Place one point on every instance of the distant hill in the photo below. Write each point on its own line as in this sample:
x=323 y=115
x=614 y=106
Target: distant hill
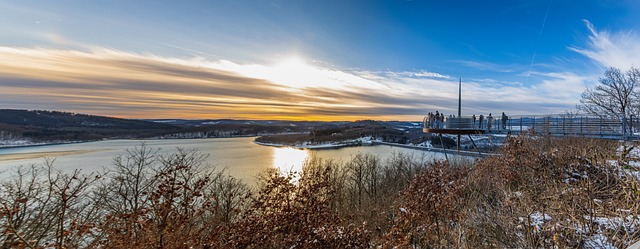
x=39 y=125
x=210 y=128
x=240 y=122
x=387 y=131
x=56 y=126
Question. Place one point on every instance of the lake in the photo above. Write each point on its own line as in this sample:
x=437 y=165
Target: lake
x=240 y=156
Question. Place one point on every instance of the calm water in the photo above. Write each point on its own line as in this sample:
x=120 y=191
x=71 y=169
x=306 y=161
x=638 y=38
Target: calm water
x=242 y=158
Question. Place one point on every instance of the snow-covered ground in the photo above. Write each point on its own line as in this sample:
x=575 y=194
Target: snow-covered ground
x=596 y=238
x=4 y=143
x=425 y=144
x=632 y=160
x=537 y=221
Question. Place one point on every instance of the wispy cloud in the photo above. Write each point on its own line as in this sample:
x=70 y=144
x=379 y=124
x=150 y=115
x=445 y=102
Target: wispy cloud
x=421 y=74
x=612 y=49
x=373 y=75
x=117 y=83
x=485 y=66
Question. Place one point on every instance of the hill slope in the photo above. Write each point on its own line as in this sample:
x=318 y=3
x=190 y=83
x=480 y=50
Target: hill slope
x=56 y=126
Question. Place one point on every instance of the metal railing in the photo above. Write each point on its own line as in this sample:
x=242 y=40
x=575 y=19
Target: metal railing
x=556 y=125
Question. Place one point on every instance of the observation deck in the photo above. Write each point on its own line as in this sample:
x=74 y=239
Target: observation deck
x=612 y=127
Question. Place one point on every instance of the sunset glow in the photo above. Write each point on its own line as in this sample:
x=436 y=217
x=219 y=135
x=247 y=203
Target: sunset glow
x=266 y=61
x=289 y=159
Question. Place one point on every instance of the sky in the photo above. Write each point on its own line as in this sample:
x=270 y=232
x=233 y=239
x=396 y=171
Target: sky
x=310 y=60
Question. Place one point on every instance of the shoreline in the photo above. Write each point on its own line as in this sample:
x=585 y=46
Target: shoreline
x=309 y=147
x=42 y=144
x=373 y=143
x=328 y=146
x=106 y=139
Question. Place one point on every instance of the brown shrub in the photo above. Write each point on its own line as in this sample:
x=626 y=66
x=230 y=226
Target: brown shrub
x=286 y=214
x=568 y=181
x=181 y=206
x=430 y=209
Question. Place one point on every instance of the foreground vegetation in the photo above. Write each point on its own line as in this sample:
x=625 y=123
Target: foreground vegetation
x=541 y=192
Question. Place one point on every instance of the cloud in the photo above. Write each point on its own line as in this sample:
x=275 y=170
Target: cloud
x=134 y=85
x=565 y=86
x=611 y=49
x=554 y=93
x=485 y=66
x=116 y=83
x=422 y=74
x=410 y=74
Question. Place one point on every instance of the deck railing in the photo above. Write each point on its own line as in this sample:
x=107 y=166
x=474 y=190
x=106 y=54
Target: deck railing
x=557 y=125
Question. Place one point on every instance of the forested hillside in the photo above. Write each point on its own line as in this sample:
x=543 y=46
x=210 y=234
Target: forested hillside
x=53 y=125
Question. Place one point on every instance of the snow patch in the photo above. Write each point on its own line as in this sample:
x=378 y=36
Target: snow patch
x=630 y=223
x=538 y=219
x=633 y=157
x=598 y=241
x=165 y=121
x=211 y=123
x=15 y=142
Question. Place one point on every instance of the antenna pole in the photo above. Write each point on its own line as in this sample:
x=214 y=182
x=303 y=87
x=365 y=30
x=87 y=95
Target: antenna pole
x=460 y=98
x=459 y=108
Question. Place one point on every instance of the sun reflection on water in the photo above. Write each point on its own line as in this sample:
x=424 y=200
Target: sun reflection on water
x=289 y=159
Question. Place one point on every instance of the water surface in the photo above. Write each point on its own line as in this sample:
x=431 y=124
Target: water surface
x=240 y=156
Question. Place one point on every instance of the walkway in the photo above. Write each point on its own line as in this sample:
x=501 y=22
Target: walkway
x=554 y=125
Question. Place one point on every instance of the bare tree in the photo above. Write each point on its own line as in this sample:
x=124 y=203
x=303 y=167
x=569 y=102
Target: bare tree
x=40 y=207
x=131 y=179
x=616 y=96
x=153 y=200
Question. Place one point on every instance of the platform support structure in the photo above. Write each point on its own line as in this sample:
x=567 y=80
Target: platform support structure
x=443 y=148
x=474 y=144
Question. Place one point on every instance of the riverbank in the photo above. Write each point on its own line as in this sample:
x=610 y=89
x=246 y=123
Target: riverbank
x=370 y=142
x=26 y=145
x=312 y=146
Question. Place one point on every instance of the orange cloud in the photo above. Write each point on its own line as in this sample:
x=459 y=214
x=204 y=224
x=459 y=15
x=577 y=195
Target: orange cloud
x=115 y=83
x=130 y=85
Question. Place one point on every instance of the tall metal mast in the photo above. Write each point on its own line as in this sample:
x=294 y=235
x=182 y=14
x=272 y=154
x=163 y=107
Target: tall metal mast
x=460 y=98
x=459 y=107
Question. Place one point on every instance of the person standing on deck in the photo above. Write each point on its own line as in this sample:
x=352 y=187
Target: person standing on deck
x=474 y=120
x=437 y=119
x=489 y=121
x=504 y=121
x=480 y=121
x=432 y=120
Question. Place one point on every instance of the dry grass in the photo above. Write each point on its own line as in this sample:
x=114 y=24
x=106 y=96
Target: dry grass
x=571 y=181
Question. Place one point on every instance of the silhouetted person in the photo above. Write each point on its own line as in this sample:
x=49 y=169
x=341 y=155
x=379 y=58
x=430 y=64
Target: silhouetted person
x=480 y=121
x=489 y=121
x=432 y=120
x=504 y=121
x=428 y=120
